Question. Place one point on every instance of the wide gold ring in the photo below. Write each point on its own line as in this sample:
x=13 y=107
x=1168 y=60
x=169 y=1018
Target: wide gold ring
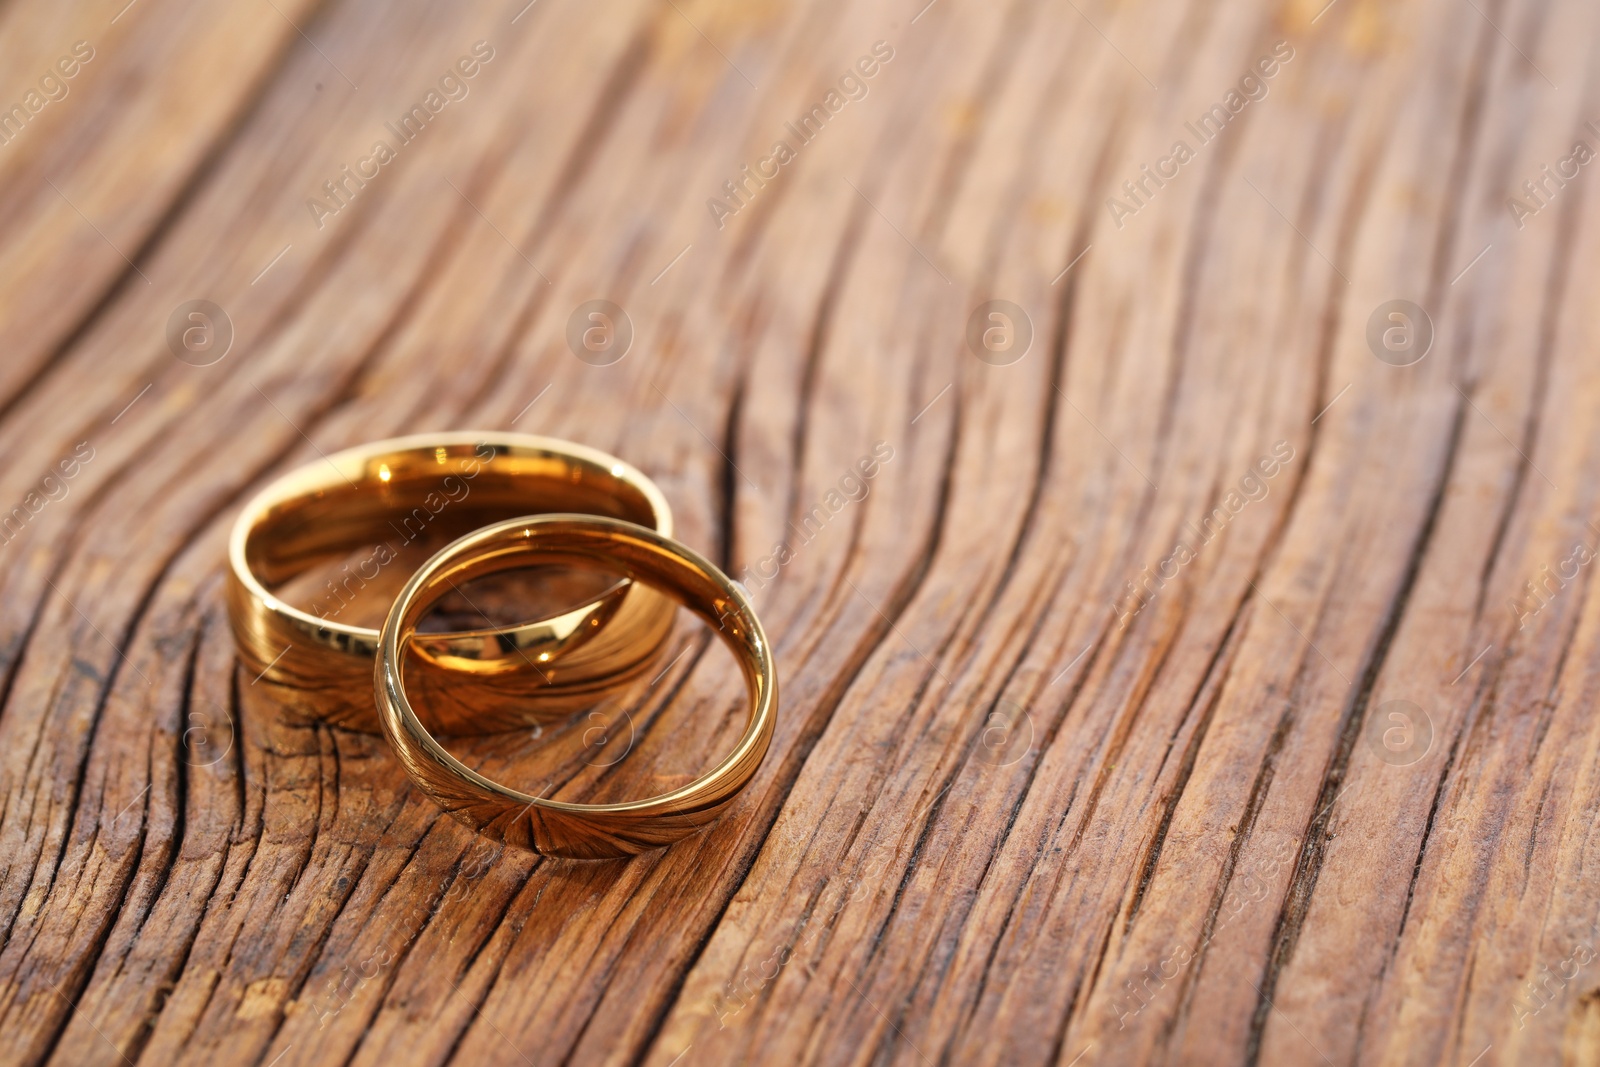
x=558 y=828
x=378 y=498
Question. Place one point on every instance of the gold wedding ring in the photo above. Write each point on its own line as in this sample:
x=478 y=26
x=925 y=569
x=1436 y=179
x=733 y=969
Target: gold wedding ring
x=376 y=499
x=551 y=827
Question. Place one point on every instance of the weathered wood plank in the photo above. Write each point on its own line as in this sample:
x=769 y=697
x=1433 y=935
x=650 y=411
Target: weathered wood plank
x=1045 y=788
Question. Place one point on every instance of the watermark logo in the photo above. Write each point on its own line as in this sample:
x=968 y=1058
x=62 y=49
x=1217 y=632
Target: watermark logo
x=208 y=738
x=999 y=332
x=607 y=738
x=53 y=86
x=1547 y=986
x=740 y=191
x=340 y=191
x=1549 y=582
x=52 y=487
x=1399 y=333
x=599 y=332
x=1252 y=486
x=1538 y=192
x=1007 y=735
x=852 y=487
x=1139 y=191
x=1400 y=733
x=199 y=333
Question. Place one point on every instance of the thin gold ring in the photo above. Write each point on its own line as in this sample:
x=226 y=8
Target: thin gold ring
x=379 y=497
x=558 y=828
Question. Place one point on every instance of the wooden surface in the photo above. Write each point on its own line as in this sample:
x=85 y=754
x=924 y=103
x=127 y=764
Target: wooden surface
x=1328 y=795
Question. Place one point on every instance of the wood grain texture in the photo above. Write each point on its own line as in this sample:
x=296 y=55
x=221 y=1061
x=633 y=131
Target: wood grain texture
x=1328 y=795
